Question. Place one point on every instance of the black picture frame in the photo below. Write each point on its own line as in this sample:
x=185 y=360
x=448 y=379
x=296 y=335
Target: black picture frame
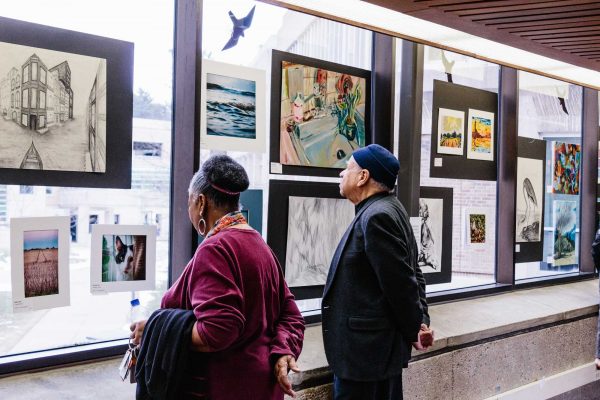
x=445 y=194
x=462 y=98
x=278 y=57
x=534 y=149
x=277 y=226
x=119 y=103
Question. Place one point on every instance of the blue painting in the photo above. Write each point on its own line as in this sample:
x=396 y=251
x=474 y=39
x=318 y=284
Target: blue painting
x=230 y=107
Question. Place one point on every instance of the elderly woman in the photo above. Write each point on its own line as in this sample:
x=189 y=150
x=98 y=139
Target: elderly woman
x=248 y=331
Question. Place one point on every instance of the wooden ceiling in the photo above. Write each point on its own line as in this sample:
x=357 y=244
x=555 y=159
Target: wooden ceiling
x=567 y=30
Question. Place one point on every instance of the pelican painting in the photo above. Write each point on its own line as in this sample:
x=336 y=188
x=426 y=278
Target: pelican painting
x=530 y=184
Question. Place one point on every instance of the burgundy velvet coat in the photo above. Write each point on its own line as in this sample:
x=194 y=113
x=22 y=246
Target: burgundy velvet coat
x=245 y=312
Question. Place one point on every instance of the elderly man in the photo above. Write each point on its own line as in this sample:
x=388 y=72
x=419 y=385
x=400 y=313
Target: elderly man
x=374 y=302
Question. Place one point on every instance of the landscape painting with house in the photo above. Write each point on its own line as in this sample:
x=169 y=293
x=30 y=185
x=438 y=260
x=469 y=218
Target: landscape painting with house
x=52 y=110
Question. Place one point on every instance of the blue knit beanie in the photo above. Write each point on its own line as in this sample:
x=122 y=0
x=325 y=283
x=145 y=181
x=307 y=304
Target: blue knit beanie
x=381 y=164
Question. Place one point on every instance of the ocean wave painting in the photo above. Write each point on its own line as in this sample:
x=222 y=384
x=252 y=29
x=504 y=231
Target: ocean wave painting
x=230 y=107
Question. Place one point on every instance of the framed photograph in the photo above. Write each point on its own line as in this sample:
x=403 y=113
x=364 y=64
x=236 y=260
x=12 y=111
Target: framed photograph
x=451 y=132
x=480 y=143
x=306 y=222
x=435 y=241
x=566 y=164
x=39 y=262
x=232 y=108
x=123 y=258
x=65 y=107
x=319 y=114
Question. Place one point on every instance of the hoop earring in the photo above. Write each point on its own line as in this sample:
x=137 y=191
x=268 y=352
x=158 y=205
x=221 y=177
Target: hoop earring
x=203 y=222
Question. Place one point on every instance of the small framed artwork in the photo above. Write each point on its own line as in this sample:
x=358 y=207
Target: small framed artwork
x=306 y=223
x=66 y=107
x=123 y=258
x=40 y=262
x=232 y=108
x=319 y=114
x=480 y=143
x=477 y=227
x=451 y=132
x=435 y=241
x=565 y=233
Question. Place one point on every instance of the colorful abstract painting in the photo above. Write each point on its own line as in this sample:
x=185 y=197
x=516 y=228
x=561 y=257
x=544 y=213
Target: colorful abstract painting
x=566 y=165
x=530 y=186
x=565 y=226
x=481 y=135
x=451 y=127
x=322 y=116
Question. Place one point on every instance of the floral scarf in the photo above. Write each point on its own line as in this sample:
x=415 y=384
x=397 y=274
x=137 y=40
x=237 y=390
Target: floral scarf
x=227 y=220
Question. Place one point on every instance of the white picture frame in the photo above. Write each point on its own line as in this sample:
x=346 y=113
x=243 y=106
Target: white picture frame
x=233 y=101
x=458 y=127
x=121 y=281
x=485 y=155
x=48 y=240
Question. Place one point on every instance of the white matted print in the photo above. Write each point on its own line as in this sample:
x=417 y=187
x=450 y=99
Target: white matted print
x=480 y=144
x=123 y=258
x=530 y=200
x=431 y=212
x=315 y=228
x=40 y=262
x=451 y=132
x=232 y=108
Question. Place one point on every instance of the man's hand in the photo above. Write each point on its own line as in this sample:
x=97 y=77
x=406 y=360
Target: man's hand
x=425 y=338
x=282 y=367
x=137 y=330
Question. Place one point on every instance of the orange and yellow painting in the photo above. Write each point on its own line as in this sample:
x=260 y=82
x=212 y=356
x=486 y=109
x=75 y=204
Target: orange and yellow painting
x=481 y=135
x=450 y=131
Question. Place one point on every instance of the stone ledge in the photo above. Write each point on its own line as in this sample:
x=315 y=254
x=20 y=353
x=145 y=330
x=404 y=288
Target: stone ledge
x=472 y=321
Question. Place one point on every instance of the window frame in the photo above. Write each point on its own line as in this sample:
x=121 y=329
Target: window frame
x=185 y=143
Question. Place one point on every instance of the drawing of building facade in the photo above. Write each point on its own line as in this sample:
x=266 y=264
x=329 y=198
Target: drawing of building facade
x=96 y=120
x=33 y=88
x=63 y=91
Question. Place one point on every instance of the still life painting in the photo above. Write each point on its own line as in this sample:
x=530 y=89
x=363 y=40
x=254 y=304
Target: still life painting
x=323 y=114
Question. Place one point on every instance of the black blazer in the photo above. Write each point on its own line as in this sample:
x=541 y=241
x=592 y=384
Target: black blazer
x=372 y=303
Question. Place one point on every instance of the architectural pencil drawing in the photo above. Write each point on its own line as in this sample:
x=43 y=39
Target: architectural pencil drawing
x=52 y=110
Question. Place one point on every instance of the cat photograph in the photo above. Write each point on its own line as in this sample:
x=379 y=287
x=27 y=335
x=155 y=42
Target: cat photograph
x=123 y=258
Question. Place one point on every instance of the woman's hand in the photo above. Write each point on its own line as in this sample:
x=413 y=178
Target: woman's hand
x=282 y=367
x=137 y=330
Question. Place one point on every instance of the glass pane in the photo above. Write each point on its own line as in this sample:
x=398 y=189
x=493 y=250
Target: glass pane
x=473 y=263
x=92 y=319
x=547 y=226
x=277 y=28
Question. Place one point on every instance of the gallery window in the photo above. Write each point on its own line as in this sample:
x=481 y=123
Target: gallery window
x=91 y=319
x=458 y=170
x=548 y=177
x=34 y=71
x=296 y=34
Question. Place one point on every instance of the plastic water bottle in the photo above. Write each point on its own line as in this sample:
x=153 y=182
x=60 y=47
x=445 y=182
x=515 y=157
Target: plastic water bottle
x=135 y=312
